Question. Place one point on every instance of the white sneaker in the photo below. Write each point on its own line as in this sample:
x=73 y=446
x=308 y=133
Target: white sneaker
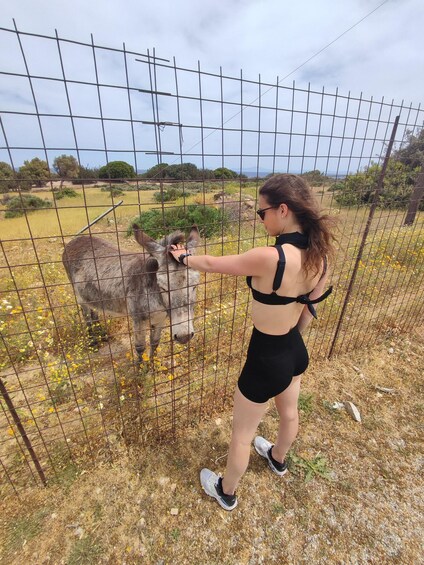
x=212 y=485
x=264 y=447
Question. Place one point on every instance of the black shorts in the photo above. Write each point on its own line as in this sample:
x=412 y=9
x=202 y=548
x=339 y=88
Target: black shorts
x=272 y=362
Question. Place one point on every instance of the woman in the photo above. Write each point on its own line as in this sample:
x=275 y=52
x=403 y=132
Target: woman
x=284 y=280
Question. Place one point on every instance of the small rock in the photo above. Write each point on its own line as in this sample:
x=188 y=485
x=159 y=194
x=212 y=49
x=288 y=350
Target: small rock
x=173 y=487
x=174 y=511
x=79 y=532
x=141 y=523
x=54 y=516
x=357 y=369
x=391 y=350
x=353 y=411
x=337 y=405
x=163 y=481
x=218 y=421
x=385 y=389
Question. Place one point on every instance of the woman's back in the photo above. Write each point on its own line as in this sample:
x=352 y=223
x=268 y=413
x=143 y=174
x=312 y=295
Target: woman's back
x=278 y=319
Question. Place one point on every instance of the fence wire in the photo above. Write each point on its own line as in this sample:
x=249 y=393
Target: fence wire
x=67 y=399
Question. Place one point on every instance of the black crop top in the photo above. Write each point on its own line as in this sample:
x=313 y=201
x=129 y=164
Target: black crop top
x=298 y=240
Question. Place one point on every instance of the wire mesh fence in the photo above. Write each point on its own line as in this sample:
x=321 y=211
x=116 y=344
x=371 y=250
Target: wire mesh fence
x=192 y=147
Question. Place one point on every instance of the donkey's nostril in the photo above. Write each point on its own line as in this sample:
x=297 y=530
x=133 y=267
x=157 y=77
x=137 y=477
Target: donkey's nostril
x=192 y=334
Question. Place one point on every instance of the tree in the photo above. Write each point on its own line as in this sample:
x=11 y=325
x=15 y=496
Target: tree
x=412 y=154
x=86 y=176
x=224 y=173
x=183 y=171
x=66 y=167
x=315 y=178
x=32 y=172
x=7 y=177
x=117 y=170
x=156 y=172
x=359 y=189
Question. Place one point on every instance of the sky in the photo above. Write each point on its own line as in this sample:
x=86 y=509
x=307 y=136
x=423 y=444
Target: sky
x=380 y=57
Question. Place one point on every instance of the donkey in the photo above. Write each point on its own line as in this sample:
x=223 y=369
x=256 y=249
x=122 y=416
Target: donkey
x=149 y=286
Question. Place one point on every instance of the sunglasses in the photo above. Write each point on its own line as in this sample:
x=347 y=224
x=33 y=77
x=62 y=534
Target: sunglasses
x=261 y=212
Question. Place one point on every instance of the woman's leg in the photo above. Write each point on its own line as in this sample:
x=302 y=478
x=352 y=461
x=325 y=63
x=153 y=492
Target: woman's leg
x=246 y=418
x=286 y=403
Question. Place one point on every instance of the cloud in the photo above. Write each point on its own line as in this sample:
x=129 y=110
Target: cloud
x=379 y=57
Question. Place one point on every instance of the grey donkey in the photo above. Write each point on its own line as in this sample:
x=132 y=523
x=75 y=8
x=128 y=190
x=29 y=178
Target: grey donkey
x=149 y=286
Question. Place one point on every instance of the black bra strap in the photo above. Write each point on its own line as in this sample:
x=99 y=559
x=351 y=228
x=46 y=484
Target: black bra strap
x=280 y=268
x=304 y=299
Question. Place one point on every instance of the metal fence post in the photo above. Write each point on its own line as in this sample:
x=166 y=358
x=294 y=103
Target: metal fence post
x=415 y=200
x=377 y=193
x=22 y=431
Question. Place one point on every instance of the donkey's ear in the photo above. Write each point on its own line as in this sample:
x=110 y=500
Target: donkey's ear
x=146 y=241
x=193 y=238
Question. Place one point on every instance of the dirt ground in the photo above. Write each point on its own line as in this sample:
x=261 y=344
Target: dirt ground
x=354 y=493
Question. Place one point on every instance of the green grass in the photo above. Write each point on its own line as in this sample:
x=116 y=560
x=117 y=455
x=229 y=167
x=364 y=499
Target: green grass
x=310 y=468
x=23 y=529
x=306 y=403
x=84 y=551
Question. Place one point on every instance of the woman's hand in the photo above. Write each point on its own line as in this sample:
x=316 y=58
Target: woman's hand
x=177 y=250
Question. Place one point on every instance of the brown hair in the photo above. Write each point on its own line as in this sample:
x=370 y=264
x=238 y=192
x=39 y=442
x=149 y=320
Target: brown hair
x=297 y=194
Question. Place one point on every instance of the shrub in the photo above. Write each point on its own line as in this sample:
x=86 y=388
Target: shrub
x=117 y=170
x=113 y=190
x=65 y=193
x=18 y=205
x=168 y=194
x=157 y=223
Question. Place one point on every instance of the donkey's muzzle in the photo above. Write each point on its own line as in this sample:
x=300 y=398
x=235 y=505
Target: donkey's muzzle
x=183 y=338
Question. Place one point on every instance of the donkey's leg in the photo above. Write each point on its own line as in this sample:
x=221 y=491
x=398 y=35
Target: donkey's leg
x=91 y=319
x=98 y=330
x=139 y=337
x=155 y=333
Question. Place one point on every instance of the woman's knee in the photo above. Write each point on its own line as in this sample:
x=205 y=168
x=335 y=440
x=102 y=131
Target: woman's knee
x=289 y=415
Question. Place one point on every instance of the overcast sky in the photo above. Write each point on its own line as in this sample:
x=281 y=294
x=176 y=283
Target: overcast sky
x=381 y=56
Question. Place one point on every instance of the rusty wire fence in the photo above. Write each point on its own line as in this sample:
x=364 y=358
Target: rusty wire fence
x=66 y=400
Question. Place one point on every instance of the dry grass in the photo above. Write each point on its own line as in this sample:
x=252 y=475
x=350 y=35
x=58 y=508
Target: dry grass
x=369 y=510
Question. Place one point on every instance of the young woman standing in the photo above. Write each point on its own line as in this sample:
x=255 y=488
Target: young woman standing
x=286 y=280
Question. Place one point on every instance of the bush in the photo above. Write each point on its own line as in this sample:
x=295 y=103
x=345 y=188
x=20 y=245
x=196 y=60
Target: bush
x=65 y=193
x=359 y=189
x=113 y=190
x=168 y=194
x=157 y=223
x=18 y=205
x=117 y=170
